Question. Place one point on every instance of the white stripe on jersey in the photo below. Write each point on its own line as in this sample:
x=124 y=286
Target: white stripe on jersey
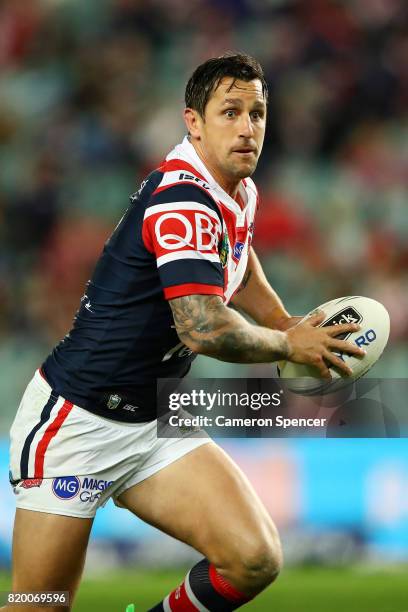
x=192 y=597
x=166 y=605
x=172 y=206
x=187 y=255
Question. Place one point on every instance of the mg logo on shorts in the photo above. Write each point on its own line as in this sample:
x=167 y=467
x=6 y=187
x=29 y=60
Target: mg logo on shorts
x=66 y=487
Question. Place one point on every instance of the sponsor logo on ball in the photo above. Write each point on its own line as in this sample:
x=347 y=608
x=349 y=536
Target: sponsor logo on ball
x=347 y=315
x=365 y=340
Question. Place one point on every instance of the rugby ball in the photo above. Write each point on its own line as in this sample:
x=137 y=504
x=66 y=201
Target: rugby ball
x=374 y=323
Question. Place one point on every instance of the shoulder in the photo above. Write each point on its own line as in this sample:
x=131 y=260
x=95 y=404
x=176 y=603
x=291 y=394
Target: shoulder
x=181 y=187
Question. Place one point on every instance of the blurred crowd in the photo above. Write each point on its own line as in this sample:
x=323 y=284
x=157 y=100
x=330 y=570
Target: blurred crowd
x=91 y=98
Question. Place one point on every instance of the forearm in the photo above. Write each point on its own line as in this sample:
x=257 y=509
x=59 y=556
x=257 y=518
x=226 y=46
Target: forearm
x=257 y=298
x=204 y=324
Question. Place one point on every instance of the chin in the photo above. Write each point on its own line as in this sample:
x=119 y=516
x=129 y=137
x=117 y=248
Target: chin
x=245 y=171
x=238 y=172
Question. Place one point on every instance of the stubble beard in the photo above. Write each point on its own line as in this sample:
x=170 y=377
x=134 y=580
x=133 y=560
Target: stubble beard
x=242 y=171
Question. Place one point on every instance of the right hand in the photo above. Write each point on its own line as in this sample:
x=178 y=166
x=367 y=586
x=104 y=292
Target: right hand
x=311 y=345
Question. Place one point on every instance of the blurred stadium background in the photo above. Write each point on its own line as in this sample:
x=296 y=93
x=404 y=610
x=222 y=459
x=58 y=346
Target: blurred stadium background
x=91 y=94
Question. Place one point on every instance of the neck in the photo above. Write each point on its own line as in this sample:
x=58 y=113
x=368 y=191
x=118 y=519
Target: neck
x=229 y=186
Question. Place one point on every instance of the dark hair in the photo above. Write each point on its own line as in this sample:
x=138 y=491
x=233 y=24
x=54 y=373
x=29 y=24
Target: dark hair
x=206 y=78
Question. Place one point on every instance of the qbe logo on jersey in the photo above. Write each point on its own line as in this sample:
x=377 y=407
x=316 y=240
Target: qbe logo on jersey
x=66 y=487
x=187 y=226
x=196 y=230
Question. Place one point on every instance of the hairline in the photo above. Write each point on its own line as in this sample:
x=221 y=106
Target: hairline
x=234 y=80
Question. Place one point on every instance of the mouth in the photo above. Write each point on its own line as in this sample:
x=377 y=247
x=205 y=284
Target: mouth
x=245 y=151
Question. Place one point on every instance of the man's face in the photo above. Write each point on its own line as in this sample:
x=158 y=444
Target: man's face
x=230 y=137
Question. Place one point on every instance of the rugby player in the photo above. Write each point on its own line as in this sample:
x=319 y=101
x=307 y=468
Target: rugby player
x=86 y=426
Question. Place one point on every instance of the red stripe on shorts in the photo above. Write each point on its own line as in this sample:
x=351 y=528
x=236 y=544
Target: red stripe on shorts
x=180 y=601
x=49 y=433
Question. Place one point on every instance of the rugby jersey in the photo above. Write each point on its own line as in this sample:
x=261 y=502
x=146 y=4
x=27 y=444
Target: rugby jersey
x=181 y=235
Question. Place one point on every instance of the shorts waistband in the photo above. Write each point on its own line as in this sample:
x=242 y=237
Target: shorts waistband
x=115 y=406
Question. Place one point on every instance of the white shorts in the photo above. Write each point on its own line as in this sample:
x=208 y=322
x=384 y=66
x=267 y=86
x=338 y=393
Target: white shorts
x=66 y=460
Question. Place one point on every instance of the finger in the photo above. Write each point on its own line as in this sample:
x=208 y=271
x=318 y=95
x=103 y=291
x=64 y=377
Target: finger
x=339 y=363
x=316 y=318
x=346 y=347
x=321 y=365
x=343 y=328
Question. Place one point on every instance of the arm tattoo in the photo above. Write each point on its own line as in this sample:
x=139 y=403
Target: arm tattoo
x=204 y=324
x=245 y=280
x=194 y=313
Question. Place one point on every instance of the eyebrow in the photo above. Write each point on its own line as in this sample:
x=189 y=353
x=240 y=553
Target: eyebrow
x=238 y=102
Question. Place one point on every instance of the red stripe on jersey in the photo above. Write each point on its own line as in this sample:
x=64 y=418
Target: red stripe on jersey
x=178 y=164
x=179 y=601
x=49 y=433
x=224 y=588
x=192 y=289
x=147 y=238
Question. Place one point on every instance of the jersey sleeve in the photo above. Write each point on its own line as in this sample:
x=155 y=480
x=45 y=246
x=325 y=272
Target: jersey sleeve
x=182 y=227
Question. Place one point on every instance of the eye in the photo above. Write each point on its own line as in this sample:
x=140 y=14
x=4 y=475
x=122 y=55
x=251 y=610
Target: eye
x=230 y=113
x=256 y=115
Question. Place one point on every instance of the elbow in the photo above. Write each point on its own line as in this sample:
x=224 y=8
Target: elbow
x=194 y=344
x=201 y=345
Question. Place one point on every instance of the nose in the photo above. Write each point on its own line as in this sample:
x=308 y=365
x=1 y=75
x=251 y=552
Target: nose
x=246 y=127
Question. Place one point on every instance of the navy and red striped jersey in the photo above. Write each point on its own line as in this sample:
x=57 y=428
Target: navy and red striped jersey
x=181 y=235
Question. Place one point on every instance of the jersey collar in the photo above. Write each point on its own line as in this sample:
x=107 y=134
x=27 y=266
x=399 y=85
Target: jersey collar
x=185 y=150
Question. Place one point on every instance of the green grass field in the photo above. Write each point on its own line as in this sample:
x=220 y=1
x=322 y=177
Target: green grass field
x=300 y=590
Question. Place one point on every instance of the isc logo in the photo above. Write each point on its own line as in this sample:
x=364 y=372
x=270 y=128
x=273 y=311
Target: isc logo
x=366 y=339
x=66 y=487
x=191 y=177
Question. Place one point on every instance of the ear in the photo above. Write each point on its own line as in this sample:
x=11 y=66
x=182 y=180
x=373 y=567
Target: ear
x=194 y=122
